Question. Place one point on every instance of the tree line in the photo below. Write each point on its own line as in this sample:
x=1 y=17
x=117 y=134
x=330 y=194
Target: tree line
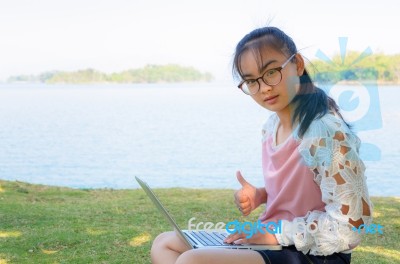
x=376 y=67
x=148 y=74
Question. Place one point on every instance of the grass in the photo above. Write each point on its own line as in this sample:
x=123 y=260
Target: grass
x=43 y=224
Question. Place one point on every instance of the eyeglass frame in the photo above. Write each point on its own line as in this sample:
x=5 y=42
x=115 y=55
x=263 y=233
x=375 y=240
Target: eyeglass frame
x=279 y=69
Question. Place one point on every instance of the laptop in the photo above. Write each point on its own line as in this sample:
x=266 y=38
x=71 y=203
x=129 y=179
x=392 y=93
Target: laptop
x=201 y=238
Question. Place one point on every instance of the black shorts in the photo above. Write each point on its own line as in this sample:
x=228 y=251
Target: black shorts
x=291 y=255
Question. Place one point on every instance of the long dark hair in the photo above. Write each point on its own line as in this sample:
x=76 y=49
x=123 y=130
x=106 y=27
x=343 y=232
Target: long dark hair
x=310 y=102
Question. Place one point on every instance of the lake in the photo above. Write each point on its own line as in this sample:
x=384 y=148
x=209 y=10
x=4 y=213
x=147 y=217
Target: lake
x=171 y=135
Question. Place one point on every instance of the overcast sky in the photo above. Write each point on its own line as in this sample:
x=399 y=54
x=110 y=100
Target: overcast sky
x=113 y=35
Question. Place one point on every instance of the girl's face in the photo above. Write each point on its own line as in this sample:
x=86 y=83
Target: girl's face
x=278 y=97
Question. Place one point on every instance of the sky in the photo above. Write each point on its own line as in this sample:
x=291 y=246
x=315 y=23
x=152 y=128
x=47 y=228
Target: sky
x=115 y=35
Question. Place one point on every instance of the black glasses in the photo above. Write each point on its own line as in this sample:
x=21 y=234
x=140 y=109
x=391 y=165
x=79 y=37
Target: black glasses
x=271 y=77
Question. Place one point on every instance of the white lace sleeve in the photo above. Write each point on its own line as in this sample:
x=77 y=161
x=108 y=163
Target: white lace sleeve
x=330 y=150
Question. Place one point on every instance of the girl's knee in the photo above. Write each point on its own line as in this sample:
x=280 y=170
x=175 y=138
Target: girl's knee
x=168 y=241
x=161 y=240
x=158 y=246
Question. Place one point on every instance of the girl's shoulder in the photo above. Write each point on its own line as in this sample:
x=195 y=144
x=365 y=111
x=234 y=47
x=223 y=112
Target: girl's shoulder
x=330 y=126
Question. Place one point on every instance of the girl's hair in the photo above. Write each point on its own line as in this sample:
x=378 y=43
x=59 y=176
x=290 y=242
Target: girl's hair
x=310 y=102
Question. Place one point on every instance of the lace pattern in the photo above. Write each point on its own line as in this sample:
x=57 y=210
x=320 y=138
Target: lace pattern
x=330 y=150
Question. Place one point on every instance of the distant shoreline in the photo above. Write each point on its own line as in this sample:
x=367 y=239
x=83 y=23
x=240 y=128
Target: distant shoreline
x=168 y=73
x=105 y=83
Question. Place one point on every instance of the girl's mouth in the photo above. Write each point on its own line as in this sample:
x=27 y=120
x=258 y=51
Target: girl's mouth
x=271 y=99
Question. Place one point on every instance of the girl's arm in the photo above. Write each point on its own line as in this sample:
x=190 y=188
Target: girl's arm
x=330 y=150
x=261 y=197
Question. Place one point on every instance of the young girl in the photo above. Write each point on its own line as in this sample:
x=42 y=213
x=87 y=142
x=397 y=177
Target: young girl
x=314 y=178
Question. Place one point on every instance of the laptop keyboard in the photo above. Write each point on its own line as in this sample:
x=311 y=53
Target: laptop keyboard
x=210 y=238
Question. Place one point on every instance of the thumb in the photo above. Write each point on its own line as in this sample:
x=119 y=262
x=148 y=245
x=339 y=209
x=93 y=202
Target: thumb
x=241 y=180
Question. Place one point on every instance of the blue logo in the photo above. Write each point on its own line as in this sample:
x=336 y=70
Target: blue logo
x=369 y=229
x=250 y=228
x=359 y=103
x=235 y=226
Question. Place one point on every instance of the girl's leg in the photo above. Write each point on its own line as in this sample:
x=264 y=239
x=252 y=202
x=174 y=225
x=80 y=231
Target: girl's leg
x=169 y=249
x=166 y=248
x=220 y=256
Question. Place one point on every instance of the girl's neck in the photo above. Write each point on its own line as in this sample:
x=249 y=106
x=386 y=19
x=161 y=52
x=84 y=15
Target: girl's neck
x=285 y=119
x=285 y=126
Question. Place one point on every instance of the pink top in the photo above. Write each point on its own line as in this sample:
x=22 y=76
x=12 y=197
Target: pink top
x=301 y=183
x=289 y=183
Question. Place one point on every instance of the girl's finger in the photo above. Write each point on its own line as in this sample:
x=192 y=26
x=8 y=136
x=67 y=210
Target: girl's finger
x=246 y=211
x=240 y=241
x=243 y=198
x=233 y=237
x=245 y=204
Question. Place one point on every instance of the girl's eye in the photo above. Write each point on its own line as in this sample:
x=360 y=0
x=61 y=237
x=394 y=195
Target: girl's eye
x=250 y=82
x=270 y=73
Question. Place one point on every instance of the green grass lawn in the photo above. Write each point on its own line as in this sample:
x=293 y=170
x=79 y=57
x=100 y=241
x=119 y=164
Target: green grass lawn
x=42 y=224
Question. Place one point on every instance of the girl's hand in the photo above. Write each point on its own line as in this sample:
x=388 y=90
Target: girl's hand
x=257 y=238
x=245 y=197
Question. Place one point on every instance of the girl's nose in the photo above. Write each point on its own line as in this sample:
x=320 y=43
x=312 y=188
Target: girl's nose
x=264 y=88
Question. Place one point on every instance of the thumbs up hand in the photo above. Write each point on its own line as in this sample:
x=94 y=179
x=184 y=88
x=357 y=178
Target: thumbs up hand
x=246 y=196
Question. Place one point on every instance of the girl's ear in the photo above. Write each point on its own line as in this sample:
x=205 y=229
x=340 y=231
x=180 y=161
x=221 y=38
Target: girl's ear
x=299 y=64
